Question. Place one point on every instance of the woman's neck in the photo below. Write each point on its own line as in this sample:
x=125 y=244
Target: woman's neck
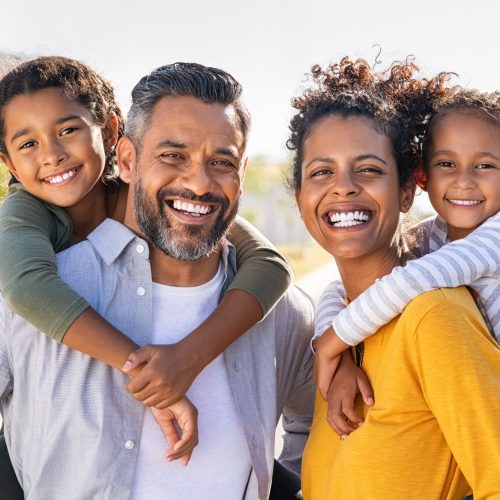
x=360 y=273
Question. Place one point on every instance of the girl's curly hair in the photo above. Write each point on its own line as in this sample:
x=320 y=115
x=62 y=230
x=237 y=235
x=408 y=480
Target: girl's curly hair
x=77 y=80
x=395 y=100
x=443 y=100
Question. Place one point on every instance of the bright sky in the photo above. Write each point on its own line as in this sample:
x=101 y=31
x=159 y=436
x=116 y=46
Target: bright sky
x=267 y=45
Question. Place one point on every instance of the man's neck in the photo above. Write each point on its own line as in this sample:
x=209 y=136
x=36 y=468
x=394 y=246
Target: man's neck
x=168 y=271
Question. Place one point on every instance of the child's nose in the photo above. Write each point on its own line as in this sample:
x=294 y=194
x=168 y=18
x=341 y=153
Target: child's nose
x=53 y=153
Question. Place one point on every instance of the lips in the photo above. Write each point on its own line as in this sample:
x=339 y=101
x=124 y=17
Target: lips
x=60 y=178
x=342 y=218
x=190 y=208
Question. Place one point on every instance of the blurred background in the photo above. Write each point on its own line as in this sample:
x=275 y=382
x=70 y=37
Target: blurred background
x=269 y=46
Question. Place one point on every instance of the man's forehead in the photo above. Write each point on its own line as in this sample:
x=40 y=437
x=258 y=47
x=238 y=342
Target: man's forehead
x=177 y=117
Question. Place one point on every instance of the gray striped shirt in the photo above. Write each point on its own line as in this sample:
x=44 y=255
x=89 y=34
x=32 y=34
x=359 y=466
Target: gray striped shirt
x=472 y=261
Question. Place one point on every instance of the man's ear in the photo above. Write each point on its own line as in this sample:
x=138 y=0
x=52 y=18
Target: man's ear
x=7 y=162
x=421 y=177
x=406 y=195
x=110 y=133
x=127 y=158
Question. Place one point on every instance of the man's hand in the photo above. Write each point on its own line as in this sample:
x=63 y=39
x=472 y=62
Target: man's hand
x=168 y=372
x=185 y=414
x=349 y=380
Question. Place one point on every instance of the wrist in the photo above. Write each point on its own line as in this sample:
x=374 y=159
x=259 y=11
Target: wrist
x=329 y=344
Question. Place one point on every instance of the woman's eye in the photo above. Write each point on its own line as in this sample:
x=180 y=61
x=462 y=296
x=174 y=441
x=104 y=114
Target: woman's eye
x=369 y=170
x=320 y=171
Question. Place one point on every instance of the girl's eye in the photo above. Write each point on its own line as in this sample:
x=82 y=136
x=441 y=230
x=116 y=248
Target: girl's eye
x=27 y=145
x=68 y=130
x=485 y=166
x=445 y=164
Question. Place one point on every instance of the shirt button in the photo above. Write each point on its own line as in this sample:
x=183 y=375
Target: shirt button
x=139 y=248
x=141 y=291
x=129 y=445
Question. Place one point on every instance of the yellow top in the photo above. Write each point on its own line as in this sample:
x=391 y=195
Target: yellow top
x=435 y=425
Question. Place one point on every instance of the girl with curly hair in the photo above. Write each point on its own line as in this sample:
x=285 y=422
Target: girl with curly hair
x=356 y=138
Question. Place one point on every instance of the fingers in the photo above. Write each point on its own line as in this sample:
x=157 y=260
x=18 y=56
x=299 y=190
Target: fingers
x=183 y=448
x=336 y=417
x=136 y=358
x=365 y=389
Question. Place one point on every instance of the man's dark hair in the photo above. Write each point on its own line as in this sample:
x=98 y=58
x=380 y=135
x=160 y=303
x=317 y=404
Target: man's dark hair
x=210 y=85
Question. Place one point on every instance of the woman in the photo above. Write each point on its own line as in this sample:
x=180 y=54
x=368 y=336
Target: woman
x=434 y=428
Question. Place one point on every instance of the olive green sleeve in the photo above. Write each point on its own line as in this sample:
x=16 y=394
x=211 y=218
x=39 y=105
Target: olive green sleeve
x=262 y=271
x=31 y=231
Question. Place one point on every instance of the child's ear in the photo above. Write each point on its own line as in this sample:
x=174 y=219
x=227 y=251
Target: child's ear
x=421 y=177
x=126 y=155
x=110 y=133
x=406 y=196
x=6 y=161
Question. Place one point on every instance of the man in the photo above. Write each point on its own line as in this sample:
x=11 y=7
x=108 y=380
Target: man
x=183 y=158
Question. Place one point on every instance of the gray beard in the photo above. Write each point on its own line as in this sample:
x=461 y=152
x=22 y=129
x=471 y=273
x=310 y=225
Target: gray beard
x=194 y=243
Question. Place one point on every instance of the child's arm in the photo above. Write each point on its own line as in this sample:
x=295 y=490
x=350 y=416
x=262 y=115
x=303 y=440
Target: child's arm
x=458 y=263
x=263 y=277
x=29 y=232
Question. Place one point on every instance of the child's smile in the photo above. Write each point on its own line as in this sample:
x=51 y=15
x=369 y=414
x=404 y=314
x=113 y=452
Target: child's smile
x=463 y=166
x=55 y=148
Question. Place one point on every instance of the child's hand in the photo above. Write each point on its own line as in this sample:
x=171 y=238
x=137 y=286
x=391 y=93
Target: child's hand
x=168 y=372
x=185 y=414
x=349 y=380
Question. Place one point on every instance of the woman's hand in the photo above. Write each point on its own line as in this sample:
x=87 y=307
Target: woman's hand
x=349 y=380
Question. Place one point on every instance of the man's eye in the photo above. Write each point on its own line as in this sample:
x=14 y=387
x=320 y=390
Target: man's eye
x=171 y=156
x=223 y=164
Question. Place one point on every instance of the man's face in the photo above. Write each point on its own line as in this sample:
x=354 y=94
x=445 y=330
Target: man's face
x=188 y=176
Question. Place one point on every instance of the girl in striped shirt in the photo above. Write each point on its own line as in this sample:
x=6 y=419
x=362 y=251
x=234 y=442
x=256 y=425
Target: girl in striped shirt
x=460 y=246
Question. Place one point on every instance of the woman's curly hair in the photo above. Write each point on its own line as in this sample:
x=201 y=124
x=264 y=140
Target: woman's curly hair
x=395 y=100
x=77 y=80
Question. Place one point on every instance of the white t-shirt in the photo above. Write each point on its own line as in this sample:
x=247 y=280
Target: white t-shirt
x=220 y=465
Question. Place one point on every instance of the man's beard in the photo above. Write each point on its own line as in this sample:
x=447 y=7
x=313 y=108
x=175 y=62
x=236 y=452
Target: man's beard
x=194 y=243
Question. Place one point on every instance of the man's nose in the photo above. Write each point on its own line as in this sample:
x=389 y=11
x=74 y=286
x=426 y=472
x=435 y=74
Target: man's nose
x=197 y=178
x=53 y=153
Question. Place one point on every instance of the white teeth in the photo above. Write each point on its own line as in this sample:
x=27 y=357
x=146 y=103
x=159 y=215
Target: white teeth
x=358 y=216
x=347 y=223
x=56 y=179
x=465 y=202
x=191 y=208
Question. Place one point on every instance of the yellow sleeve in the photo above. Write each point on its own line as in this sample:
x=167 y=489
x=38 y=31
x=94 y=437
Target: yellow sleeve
x=458 y=365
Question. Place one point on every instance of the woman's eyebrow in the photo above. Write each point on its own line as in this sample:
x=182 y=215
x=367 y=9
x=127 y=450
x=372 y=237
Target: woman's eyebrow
x=325 y=159
x=370 y=156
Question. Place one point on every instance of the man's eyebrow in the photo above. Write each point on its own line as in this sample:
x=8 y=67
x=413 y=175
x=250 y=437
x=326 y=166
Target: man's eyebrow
x=169 y=143
x=231 y=151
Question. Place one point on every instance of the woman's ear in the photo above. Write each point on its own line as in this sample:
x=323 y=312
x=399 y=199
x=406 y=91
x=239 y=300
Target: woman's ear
x=421 y=177
x=110 y=133
x=406 y=195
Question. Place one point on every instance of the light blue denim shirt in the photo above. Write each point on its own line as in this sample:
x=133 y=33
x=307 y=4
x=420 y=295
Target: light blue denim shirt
x=71 y=427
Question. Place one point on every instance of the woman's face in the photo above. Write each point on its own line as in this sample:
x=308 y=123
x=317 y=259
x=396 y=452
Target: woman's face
x=350 y=198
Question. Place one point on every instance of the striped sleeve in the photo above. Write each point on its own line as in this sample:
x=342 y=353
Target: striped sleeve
x=331 y=302
x=461 y=262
